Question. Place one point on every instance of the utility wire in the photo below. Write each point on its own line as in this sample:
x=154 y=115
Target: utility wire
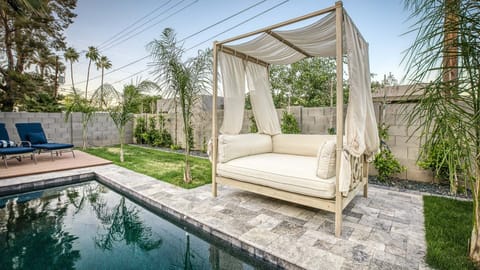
x=150 y=26
x=223 y=20
x=194 y=34
x=237 y=25
x=107 y=41
x=140 y=59
x=198 y=32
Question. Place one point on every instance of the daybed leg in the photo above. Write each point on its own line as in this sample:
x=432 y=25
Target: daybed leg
x=5 y=161
x=365 y=189
x=214 y=186
x=365 y=179
x=338 y=222
x=73 y=153
x=51 y=154
x=34 y=158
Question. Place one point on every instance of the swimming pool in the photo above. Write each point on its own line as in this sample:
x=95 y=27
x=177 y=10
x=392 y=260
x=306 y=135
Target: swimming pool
x=89 y=226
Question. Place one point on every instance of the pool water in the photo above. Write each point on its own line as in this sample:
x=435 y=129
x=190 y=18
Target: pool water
x=88 y=226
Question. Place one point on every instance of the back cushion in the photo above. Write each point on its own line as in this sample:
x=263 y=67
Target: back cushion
x=326 y=167
x=241 y=145
x=299 y=144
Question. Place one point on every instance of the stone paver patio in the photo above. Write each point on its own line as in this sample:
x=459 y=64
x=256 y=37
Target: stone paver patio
x=384 y=231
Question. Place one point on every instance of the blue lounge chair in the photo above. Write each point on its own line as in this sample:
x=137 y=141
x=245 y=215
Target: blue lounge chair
x=33 y=133
x=8 y=150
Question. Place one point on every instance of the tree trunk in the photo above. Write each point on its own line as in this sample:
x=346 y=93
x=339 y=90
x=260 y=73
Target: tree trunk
x=84 y=131
x=88 y=77
x=55 y=87
x=450 y=40
x=475 y=238
x=101 y=91
x=176 y=119
x=122 y=138
x=71 y=74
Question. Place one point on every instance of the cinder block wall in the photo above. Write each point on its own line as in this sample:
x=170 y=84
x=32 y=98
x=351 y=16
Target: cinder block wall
x=317 y=121
x=404 y=141
x=101 y=129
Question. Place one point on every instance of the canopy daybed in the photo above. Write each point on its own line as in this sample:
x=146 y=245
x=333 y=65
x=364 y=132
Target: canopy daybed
x=320 y=171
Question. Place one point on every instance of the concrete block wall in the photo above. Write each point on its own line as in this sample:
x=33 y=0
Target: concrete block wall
x=101 y=129
x=404 y=142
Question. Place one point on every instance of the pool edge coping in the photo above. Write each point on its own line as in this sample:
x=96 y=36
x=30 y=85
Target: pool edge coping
x=146 y=201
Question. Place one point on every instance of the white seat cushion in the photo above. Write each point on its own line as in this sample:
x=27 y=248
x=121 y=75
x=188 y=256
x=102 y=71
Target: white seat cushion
x=291 y=173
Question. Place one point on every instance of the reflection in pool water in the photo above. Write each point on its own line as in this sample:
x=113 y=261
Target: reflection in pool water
x=88 y=226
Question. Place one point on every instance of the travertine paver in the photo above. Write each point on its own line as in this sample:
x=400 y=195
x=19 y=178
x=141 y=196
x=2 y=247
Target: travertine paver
x=384 y=231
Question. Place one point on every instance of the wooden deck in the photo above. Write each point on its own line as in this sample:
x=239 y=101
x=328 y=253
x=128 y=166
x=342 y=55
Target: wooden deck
x=45 y=164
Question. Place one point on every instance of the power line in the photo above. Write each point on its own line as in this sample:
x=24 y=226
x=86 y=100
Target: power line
x=126 y=37
x=145 y=57
x=223 y=20
x=196 y=33
x=235 y=26
x=201 y=31
x=133 y=24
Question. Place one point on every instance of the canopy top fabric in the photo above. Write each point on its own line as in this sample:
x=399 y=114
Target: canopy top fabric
x=245 y=67
x=289 y=46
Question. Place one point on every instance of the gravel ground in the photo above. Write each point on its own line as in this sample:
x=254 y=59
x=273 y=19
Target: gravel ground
x=442 y=189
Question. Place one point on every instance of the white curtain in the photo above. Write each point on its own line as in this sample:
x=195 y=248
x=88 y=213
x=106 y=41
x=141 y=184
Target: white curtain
x=360 y=124
x=232 y=72
x=261 y=99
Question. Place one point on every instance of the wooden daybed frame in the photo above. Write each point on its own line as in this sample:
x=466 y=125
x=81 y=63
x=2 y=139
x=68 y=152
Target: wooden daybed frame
x=360 y=170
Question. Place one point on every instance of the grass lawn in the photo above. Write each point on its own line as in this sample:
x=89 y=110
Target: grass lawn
x=448 y=226
x=161 y=165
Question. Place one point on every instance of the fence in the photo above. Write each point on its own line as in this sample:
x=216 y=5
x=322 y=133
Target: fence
x=101 y=129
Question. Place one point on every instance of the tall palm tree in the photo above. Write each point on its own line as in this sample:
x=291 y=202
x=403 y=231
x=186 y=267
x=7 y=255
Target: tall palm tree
x=446 y=53
x=185 y=80
x=71 y=55
x=92 y=55
x=103 y=63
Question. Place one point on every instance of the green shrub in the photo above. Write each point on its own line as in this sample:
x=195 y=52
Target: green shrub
x=435 y=160
x=253 y=125
x=140 y=129
x=289 y=124
x=191 y=142
x=175 y=147
x=152 y=135
x=385 y=162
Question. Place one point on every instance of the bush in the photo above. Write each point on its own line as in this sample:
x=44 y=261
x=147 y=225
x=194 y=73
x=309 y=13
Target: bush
x=385 y=162
x=140 y=129
x=289 y=124
x=152 y=135
x=253 y=125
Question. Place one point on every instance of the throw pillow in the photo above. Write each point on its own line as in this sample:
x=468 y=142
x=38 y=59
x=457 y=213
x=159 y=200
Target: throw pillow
x=37 y=138
x=5 y=144
x=326 y=167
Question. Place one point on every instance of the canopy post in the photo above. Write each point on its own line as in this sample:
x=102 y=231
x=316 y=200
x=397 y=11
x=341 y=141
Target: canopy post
x=339 y=105
x=214 y=120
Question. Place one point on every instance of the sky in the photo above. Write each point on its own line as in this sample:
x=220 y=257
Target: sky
x=122 y=31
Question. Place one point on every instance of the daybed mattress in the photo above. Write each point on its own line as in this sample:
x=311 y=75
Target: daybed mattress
x=281 y=171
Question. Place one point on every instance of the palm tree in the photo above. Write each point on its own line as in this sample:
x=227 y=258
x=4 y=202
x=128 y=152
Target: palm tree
x=103 y=63
x=123 y=112
x=71 y=55
x=446 y=53
x=75 y=103
x=92 y=55
x=184 y=80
